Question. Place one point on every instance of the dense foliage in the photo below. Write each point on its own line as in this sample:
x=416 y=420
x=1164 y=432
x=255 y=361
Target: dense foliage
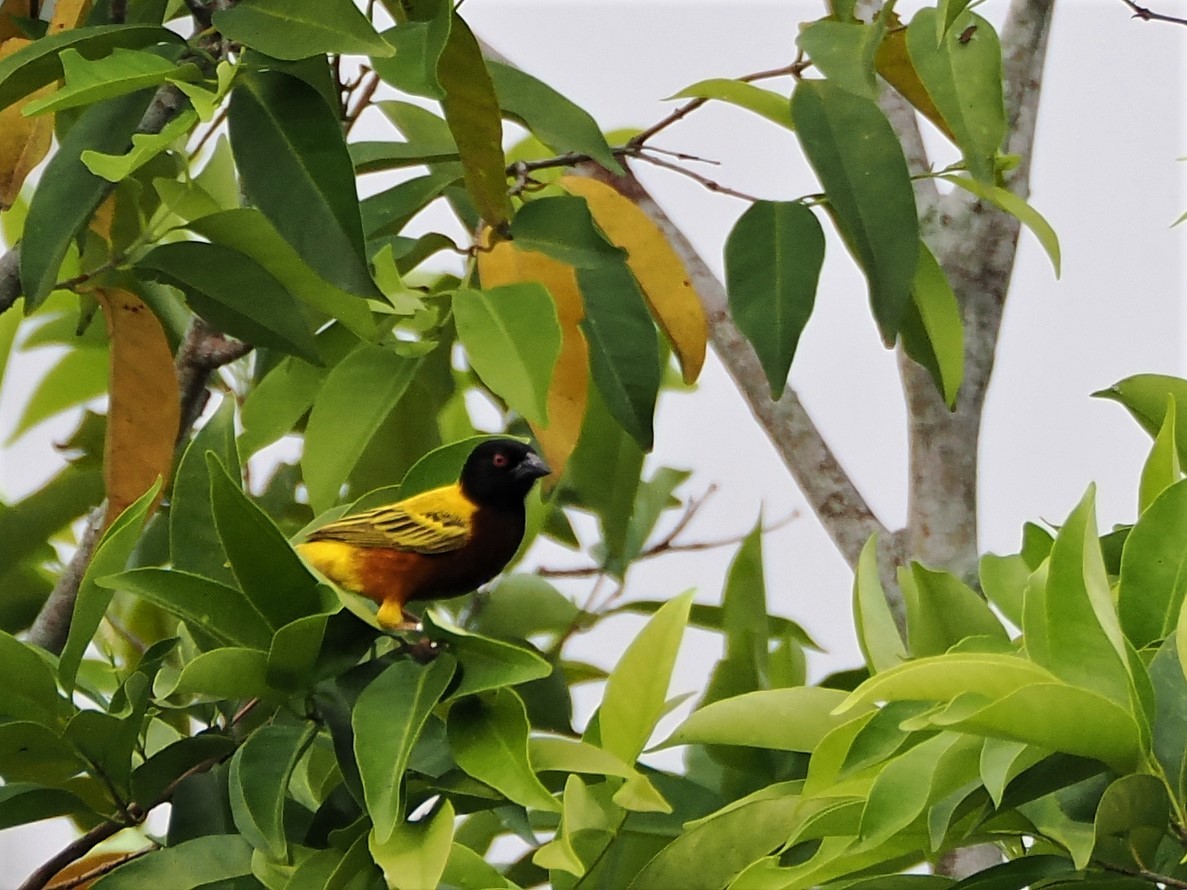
x=187 y=655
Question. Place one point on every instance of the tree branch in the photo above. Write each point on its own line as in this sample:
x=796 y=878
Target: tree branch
x=203 y=352
x=1146 y=15
x=51 y=627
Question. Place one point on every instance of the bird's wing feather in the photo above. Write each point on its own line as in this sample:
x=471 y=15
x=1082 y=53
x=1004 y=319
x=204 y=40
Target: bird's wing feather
x=434 y=522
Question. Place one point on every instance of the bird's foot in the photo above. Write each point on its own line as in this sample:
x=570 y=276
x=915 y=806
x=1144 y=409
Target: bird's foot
x=425 y=650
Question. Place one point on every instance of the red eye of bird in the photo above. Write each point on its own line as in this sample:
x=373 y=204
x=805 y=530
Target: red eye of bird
x=499 y=460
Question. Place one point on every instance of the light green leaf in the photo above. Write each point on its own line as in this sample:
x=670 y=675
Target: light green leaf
x=416 y=853
x=555 y=121
x=512 y=339
x=488 y=736
x=1145 y=397
x=229 y=672
x=354 y=401
x=877 y=634
x=40 y=62
x=257 y=784
x=467 y=870
x=858 y=158
x=472 y=112
x=111 y=556
x=234 y=293
x=942 y=611
x=387 y=720
x=293 y=654
x=124 y=71
x=221 y=611
x=185 y=866
x=793 y=719
x=948 y=12
x=572 y=756
x=522 y=605
x=277 y=403
x=295 y=167
x=1002 y=761
x=1003 y=578
x=933 y=331
x=763 y=102
x=418 y=46
x=1152 y=582
x=638 y=685
x=1019 y=209
x=296 y=29
x=623 y=347
x=773 y=257
x=1162 y=468
x=964 y=79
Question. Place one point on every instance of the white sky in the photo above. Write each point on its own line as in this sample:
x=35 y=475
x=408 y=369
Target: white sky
x=1106 y=177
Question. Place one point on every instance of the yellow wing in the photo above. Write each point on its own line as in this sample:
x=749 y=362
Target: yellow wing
x=436 y=521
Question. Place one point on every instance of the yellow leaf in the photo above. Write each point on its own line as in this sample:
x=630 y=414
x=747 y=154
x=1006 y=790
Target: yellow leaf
x=8 y=10
x=68 y=14
x=24 y=141
x=673 y=302
x=144 y=409
x=104 y=218
x=504 y=263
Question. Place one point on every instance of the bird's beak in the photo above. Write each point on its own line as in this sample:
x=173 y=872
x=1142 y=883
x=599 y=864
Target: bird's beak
x=531 y=467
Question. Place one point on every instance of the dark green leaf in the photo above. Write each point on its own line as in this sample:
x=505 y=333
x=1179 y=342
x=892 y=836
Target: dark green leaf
x=387 y=212
x=858 y=158
x=844 y=52
x=418 y=46
x=270 y=573
x=151 y=778
x=295 y=29
x=295 y=167
x=557 y=122
x=484 y=663
x=69 y=193
x=229 y=672
x=472 y=112
x=932 y=331
x=40 y=63
x=193 y=539
x=258 y=783
x=375 y=157
x=623 y=349
x=773 y=257
x=563 y=228
x=292 y=657
x=387 y=720
x=185 y=866
x=29 y=691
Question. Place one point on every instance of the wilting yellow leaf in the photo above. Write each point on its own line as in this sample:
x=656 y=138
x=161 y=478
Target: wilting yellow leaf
x=68 y=14
x=504 y=263
x=104 y=218
x=673 y=302
x=894 y=65
x=8 y=10
x=24 y=141
x=143 y=413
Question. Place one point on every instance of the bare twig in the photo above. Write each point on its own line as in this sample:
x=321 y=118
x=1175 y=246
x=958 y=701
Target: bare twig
x=369 y=84
x=203 y=352
x=215 y=123
x=52 y=626
x=710 y=184
x=1144 y=873
x=1147 y=15
x=10 y=278
x=99 y=870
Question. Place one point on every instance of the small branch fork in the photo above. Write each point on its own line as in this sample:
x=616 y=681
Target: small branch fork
x=1148 y=15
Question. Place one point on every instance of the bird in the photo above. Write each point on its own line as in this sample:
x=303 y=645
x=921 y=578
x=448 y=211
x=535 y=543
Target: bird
x=440 y=543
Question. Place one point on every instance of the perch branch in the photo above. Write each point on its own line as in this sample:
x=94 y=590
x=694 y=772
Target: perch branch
x=1148 y=15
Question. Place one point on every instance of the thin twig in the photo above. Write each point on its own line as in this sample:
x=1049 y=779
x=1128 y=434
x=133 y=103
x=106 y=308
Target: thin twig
x=1143 y=873
x=203 y=352
x=215 y=123
x=370 y=83
x=680 y=155
x=711 y=184
x=1148 y=15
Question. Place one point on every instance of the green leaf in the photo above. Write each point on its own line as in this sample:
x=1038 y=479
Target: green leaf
x=467 y=870
x=472 y=112
x=964 y=79
x=572 y=756
x=235 y=294
x=25 y=802
x=488 y=736
x=623 y=348
x=145 y=147
x=355 y=399
x=555 y=121
x=1145 y=396
x=1007 y=201
x=258 y=784
x=1084 y=642
x=27 y=525
x=773 y=257
x=844 y=52
x=522 y=605
x=296 y=29
x=948 y=12
x=29 y=691
x=293 y=655
x=151 y=778
x=416 y=853
x=793 y=719
x=295 y=167
x=68 y=193
x=942 y=611
x=418 y=46
x=111 y=556
x=1169 y=724
x=1162 y=468
x=512 y=339
x=79 y=375
x=248 y=231
x=1136 y=809
x=485 y=663
x=376 y=157
x=229 y=672
x=744 y=620
x=1152 y=583
x=194 y=545
x=31 y=752
x=860 y=163
x=441 y=466
x=638 y=686
x=1003 y=578
x=387 y=719
x=270 y=573
x=185 y=866
x=563 y=228
x=277 y=403
x=40 y=62
x=765 y=103
x=877 y=634
x=933 y=331
x=124 y=71
x=221 y=611
x=387 y=212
